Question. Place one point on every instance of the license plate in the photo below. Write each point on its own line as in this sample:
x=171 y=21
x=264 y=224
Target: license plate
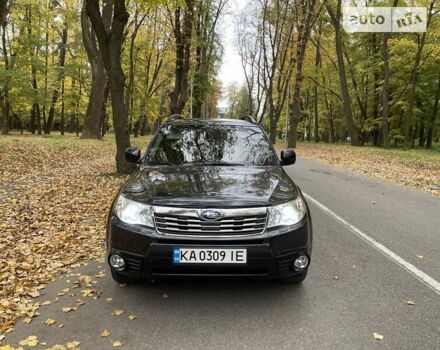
x=209 y=256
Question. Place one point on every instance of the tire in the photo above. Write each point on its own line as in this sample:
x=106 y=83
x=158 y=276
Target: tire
x=296 y=279
x=122 y=279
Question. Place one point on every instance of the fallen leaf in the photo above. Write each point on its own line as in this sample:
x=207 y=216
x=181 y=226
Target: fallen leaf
x=57 y=347
x=419 y=256
x=6 y=347
x=410 y=302
x=105 y=333
x=378 y=336
x=100 y=274
x=72 y=345
x=88 y=292
x=49 y=322
x=117 y=312
x=30 y=341
x=47 y=302
x=132 y=317
x=34 y=293
x=69 y=308
x=117 y=343
x=27 y=320
x=109 y=300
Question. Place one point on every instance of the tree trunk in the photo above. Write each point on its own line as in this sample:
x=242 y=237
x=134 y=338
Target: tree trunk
x=92 y=120
x=315 y=90
x=56 y=92
x=110 y=44
x=182 y=33
x=421 y=135
x=386 y=87
x=33 y=52
x=414 y=78
x=62 y=119
x=5 y=103
x=335 y=19
x=296 y=103
x=433 y=116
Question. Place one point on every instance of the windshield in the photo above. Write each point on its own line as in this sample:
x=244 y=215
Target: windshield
x=211 y=144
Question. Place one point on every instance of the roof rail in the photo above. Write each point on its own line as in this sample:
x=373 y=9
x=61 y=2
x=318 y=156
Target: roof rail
x=248 y=118
x=174 y=117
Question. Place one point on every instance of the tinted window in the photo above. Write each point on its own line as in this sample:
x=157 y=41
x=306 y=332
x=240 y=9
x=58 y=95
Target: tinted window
x=211 y=144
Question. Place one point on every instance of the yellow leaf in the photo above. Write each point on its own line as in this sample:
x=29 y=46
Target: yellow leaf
x=47 y=302
x=49 y=322
x=100 y=274
x=105 y=333
x=117 y=343
x=30 y=341
x=88 y=292
x=117 y=312
x=410 y=302
x=378 y=336
x=34 y=293
x=109 y=300
x=73 y=344
x=27 y=320
x=132 y=317
x=57 y=347
x=69 y=308
x=419 y=256
x=6 y=347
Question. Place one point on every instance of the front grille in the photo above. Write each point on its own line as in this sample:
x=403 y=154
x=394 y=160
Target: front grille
x=233 y=222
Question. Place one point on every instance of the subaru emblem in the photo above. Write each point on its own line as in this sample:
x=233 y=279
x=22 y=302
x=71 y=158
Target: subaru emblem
x=210 y=215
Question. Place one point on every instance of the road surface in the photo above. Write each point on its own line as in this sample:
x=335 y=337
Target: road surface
x=376 y=248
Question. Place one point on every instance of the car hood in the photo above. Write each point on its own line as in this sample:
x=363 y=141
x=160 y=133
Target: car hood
x=210 y=186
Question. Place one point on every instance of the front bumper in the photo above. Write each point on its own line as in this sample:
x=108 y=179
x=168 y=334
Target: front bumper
x=149 y=254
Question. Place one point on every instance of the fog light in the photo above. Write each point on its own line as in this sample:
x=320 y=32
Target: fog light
x=117 y=262
x=301 y=262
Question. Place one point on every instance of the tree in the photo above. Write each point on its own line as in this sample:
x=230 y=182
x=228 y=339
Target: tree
x=206 y=52
x=336 y=22
x=92 y=123
x=4 y=92
x=60 y=77
x=421 y=40
x=182 y=24
x=110 y=43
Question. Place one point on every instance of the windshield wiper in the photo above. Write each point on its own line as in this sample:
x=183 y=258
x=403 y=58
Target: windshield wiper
x=160 y=163
x=215 y=163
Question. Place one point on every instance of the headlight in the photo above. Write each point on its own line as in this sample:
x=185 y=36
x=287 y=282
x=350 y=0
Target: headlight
x=132 y=212
x=286 y=214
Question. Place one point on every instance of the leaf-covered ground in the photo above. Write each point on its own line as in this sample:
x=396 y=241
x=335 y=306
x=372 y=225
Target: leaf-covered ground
x=419 y=169
x=54 y=198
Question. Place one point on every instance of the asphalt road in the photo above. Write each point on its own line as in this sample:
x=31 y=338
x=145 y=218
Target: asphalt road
x=353 y=289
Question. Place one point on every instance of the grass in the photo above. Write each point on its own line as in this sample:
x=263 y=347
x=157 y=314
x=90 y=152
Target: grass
x=417 y=168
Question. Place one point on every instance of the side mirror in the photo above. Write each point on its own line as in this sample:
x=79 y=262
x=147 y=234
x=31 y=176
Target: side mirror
x=132 y=154
x=288 y=157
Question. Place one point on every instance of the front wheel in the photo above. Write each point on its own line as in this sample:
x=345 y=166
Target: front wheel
x=296 y=279
x=122 y=279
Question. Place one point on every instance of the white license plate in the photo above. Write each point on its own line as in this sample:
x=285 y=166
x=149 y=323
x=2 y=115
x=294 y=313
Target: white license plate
x=209 y=256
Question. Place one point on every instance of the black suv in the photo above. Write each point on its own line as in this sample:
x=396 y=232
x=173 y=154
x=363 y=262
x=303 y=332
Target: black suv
x=209 y=198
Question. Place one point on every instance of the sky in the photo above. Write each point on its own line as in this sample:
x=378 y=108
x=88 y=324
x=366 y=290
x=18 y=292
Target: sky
x=231 y=69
